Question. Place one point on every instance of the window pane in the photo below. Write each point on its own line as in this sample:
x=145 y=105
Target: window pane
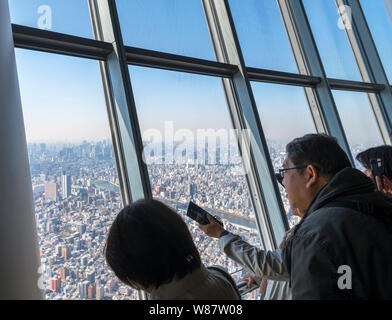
x=285 y=115
x=379 y=17
x=173 y=26
x=358 y=121
x=70 y=17
x=262 y=35
x=331 y=38
x=73 y=172
x=183 y=164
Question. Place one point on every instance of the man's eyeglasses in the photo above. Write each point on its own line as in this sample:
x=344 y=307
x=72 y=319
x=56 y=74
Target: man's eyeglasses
x=280 y=175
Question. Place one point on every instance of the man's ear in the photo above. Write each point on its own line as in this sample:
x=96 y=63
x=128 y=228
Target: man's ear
x=312 y=175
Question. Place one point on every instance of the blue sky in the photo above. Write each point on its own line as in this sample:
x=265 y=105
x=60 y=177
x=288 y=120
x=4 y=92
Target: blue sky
x=333 y=46
x=173 y=26
x=284 y=120
x=357 y=117
x=63 y=98
x=262 y=36
x=381 y=28
x=68 y=16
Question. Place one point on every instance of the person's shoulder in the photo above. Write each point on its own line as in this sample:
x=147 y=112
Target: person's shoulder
x=330 y=226
x=324 y=225
x=220 y=272
x=321 y=219
x=221 y=282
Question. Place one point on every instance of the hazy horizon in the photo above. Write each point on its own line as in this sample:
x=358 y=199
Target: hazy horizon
x=63 y=99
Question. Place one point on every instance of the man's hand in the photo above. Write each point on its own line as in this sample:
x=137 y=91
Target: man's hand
x=249 y=280
x=387 y=186
x=379 y=183
x=213 y=229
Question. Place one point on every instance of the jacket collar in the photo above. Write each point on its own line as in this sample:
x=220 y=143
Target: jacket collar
x=346 y=182
x=177 y=287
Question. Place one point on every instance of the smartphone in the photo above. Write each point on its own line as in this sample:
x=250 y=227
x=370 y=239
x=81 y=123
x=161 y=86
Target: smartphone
x=377 y=167
x=200 y=215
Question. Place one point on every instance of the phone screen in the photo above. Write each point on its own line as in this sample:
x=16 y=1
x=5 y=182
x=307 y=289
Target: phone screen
x=198 y=214
x=377 y=168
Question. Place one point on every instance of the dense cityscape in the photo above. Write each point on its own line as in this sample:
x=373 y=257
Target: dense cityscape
x=77 y=196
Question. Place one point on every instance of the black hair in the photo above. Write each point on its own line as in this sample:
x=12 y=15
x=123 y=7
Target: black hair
x=381 y=152
x=149 y=243
x=320 y=150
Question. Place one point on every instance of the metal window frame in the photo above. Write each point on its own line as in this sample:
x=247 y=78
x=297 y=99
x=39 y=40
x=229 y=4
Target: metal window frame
x=370 y=66
x=126 y=133
x=348 y=85
x=168 y=61
x=285 y=78
x=54 y=42
x=270 y=217
x=307 y=57
x=106 y=28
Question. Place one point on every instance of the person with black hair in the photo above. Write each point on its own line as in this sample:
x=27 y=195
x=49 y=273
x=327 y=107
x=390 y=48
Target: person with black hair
x=150 y=248
x=342 y=247
x=373 y=157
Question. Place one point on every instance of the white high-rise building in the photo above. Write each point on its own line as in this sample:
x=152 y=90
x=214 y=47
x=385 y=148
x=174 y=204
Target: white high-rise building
x=100 y=293
x=66 y=185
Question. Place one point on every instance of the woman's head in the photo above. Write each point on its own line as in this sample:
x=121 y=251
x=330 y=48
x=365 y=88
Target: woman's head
x=384 y=153
x=149 y=244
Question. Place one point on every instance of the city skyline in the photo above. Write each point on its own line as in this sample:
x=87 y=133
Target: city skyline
x=72 y=229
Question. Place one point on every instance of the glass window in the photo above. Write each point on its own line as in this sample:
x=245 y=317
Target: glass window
x=358 y=121
x=379 y=17
x=331 y=38
x=73 y=172
x=70 y=17
x=192 y=154
x=173 y=26
x=284 y=115
x=262 y=35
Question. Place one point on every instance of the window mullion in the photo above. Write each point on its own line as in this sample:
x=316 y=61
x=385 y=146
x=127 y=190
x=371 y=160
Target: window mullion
x=308 y=59
x=269 y=209
x=123 y=109
x=128 y=144
x=370 y=65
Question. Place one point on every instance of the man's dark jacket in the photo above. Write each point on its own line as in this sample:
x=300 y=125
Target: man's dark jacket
x=329 y=237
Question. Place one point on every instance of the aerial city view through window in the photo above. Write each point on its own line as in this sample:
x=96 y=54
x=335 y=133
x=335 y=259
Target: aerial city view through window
x=73 y=167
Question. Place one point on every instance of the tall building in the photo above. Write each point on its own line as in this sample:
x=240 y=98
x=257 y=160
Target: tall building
x=111 y=285
x=58 y=250
x=81 y=228
x=84 y=260
x=192 y=190
x=66 y=252
x=66 y=185
x=64 y=273
x=55 y=284
x=83 y=289
x=43 y=147
x=90 y=276
x=100 y=292
x=50 y=191
x=91 y=291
